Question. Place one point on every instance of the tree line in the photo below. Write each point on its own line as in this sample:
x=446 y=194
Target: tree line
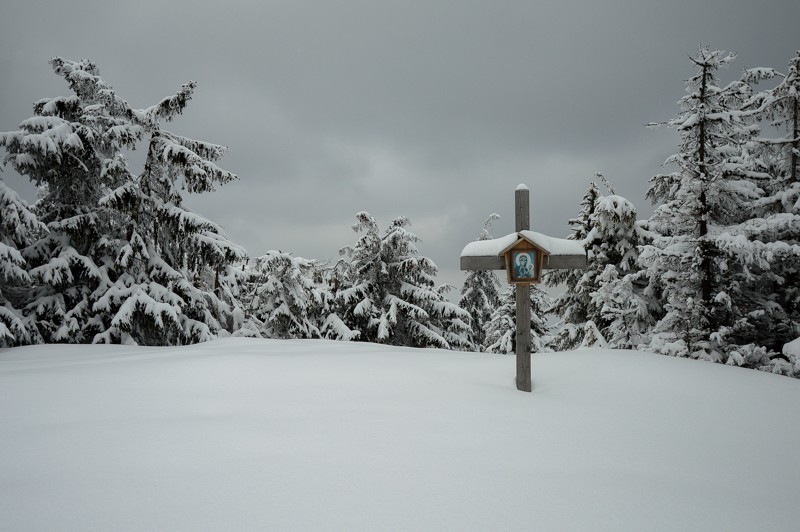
x=714 y=273
x=108 y=254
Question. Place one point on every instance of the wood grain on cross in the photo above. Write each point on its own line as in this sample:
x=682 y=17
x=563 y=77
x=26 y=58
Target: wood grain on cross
x=522 y=222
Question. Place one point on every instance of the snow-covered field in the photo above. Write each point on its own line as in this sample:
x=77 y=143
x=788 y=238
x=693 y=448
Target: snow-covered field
x=313 y=435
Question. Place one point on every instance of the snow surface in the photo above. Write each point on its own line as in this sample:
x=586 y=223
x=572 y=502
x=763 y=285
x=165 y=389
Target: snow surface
x=245 y=434
x=495 y=246
x=522 y=186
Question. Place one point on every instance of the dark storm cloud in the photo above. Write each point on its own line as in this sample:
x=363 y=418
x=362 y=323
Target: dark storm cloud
x=432 y=110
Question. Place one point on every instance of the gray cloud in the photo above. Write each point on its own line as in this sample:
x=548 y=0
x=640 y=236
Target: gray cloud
x=434 y=110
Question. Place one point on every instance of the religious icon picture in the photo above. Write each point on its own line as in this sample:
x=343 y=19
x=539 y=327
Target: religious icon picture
x=524 y=263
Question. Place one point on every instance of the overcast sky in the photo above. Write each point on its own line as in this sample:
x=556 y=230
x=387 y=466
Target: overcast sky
x=434 y=110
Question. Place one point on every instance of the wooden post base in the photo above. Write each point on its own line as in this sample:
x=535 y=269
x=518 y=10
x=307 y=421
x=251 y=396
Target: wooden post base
x=523 y=337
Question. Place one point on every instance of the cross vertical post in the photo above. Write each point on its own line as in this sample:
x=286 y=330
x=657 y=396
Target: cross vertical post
x=523 y=255
x=522 y=222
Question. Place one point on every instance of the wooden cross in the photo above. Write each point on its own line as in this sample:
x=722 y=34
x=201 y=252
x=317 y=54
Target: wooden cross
x=507 y=253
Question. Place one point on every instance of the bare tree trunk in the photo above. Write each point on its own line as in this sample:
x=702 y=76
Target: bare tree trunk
x=796 y=142
x=705 y=262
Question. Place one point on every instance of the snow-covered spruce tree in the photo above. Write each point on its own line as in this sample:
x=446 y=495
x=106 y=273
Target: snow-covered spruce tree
x=502 y=326
x=456 y=329
x=613 y=252
x=624 y=308
x=572 y=306
x=695 y=207
x=123 y=260
x=500 y=330
x=19 y=227
x=480 y=294
x=780 y=229
x=173 y=266
x=286 y=299
x=64 y=149
x=393 y=298
x=176 y=269
x=608 y=227
x=781 y=106
x=768 y=244
x=246 y=282
x=336 y=312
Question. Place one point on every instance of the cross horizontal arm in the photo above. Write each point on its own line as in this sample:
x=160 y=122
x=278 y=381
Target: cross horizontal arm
x=551 y=262
x=489 y=262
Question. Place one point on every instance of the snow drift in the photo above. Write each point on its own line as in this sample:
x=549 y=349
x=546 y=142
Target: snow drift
x=243 y=434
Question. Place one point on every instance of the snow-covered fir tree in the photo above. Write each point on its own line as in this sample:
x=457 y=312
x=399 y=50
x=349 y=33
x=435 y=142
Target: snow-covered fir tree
x=19 y=227
x=480 y=294
x=780 y=230
x=336 y=312
x=176 y=269
x=501 y=327
x=613 y=251
x=624 y=308
x=286 y=299
x=455 y=328
x=63 y=149
x=697 y=205
x=123 y=261
x=781 y=107
x=570 y=305
x=768 y=243
x=607 y=225
x=393 y=298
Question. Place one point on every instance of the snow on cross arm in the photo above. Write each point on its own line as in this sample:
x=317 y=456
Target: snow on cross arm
x=493 y=246
x=555 y=246
x=551 y=245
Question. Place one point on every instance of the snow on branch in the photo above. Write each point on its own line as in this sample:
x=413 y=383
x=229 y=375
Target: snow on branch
x=168 y=107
